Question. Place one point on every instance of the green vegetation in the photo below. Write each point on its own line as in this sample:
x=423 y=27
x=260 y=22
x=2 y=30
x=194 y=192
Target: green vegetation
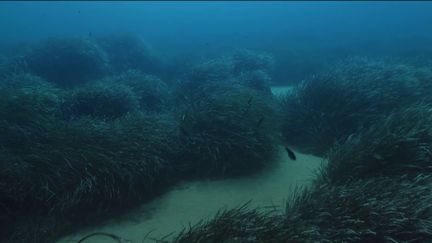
x=399 y=144
x=77 y=171
x=105 y=101
x=89 y=130
x=242 y=67
x=78 y=146
x=67 y=61
x=354 y=95
x=153 y=94
x=227 y=116
x=229 y=130
x=372 y=210
x=375 y=188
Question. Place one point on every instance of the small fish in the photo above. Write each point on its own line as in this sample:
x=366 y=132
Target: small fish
x=291 y=154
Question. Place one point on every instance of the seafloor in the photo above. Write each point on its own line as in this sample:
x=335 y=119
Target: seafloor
x=191 y=202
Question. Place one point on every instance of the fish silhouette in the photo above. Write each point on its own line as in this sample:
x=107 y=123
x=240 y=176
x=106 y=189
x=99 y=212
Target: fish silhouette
x=291 y=154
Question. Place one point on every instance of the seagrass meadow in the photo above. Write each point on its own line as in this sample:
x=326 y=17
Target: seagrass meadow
x=215 y=122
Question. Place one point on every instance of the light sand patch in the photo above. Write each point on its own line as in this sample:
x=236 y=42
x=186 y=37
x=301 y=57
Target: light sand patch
x=280 y=90
x=191 y=202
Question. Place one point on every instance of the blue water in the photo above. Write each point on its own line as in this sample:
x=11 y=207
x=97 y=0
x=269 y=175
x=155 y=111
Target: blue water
x=289 y=30
x=168 y=23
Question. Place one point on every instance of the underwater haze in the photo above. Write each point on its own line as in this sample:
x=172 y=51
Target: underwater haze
x=289 y=30
x=201 y=121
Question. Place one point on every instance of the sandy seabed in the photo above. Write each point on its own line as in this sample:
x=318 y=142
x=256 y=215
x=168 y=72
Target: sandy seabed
x=190 y=202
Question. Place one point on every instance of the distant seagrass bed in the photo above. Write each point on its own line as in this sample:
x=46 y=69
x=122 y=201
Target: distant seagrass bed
x=215 y=122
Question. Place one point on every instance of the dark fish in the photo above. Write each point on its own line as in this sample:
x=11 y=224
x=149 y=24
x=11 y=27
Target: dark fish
x=291 y=154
